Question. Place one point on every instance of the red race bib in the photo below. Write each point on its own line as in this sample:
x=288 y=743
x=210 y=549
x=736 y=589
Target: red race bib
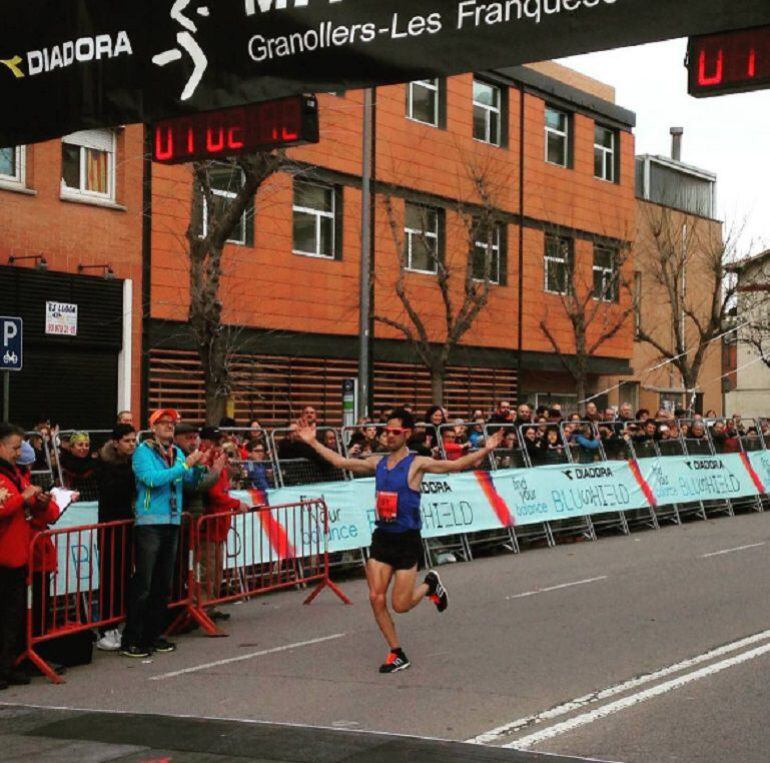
x=387 y=506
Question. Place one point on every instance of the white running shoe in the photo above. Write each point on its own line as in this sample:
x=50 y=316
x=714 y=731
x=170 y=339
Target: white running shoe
x=110 y=641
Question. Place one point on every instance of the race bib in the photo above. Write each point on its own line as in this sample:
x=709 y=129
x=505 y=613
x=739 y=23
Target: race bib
x=387 y=506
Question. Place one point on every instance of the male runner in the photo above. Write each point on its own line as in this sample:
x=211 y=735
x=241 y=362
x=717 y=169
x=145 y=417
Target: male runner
x=396 y=542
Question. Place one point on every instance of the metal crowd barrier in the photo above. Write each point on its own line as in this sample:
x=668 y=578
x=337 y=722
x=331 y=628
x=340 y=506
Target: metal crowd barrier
x=296 y=469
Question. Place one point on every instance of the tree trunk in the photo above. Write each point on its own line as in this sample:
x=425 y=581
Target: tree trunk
x=437 y=372
x=216 y=379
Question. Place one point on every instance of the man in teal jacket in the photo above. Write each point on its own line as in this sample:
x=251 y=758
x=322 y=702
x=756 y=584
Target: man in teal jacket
x=161 y=471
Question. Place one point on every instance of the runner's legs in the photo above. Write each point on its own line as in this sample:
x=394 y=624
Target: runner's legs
x=379 y=575
x=405 y=595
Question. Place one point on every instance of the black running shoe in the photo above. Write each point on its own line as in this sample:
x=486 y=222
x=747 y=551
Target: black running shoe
x=131 y=650
x=436 y=591
x=161 y=645
x=394 y=663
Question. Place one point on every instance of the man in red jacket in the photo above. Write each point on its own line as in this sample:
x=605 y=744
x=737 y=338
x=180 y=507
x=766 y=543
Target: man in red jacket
x=18 y=501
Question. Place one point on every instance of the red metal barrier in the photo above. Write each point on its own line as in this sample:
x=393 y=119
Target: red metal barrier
x=240 y=555
x=69 y=591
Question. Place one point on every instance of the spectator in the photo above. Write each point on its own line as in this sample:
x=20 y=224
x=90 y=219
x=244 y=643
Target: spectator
x=309 y=416
x=79 y=466
x=256 y=467
x=476 y=433
x=160 y=470
x=435 y=416
x=17 y=497
x=328 y=438
x=553 y=448
x=642 y=415
x=215 y=531
x=592 y=412
x=125 y=417
x=588 y=445
x=452 y=449
x=116 y=494
x=523 y=414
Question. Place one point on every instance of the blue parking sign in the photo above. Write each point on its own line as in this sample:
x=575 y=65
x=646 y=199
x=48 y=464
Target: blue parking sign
x=10 y=343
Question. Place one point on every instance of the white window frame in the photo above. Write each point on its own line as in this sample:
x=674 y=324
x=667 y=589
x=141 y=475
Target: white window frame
x=93 y=139
x=319 y=215
x=561 y=133
x=492 y=140
x=609 y=274
x=495 y=259
x=224 y=195
x=428 y=84
x=566 y=261
x=605 y=153
x=19 y=178
x=430 y=236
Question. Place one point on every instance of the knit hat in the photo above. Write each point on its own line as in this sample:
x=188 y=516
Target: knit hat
x=26 y=456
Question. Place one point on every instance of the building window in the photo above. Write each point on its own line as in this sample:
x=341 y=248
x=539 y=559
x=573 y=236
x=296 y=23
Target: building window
x=423 y=101
x=605 y=141
x=225 y=183
x=88 y=164
x=487 y=113
x=606 y=274
x=487 y=242
x=12 y=169
x=558 y=264
x=314 y=219
x=556 y=137
x=421 y=238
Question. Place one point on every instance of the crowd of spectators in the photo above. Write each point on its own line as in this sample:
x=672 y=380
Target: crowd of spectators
x=147 y=479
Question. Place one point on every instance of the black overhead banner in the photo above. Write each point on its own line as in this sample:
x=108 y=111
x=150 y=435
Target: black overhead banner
x=73 y=64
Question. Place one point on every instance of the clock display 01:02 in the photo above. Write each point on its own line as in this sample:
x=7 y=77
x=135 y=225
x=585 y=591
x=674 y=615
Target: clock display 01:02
x=240 y=130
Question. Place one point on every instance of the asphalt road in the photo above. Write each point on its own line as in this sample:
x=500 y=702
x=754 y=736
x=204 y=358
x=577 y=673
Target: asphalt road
x=652 y=647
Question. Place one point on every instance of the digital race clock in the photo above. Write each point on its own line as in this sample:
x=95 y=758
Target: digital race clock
x=729 y=62
x=241 y=130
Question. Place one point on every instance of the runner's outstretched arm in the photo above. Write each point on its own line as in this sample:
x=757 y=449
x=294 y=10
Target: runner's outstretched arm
x=432 y=466
x=358 y=465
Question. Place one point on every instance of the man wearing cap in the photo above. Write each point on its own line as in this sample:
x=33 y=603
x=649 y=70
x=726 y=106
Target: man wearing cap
x=161 y=471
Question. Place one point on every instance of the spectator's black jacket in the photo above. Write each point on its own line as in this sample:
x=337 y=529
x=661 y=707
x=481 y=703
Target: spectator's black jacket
x=116 y=484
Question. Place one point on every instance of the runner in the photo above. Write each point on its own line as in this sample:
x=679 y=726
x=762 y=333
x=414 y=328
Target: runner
x=396 y=542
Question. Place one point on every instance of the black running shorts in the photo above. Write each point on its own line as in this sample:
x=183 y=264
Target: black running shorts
x=401 y=551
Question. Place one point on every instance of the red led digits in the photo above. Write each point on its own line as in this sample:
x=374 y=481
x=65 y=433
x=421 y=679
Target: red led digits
x=246 y=129
x=731 y=62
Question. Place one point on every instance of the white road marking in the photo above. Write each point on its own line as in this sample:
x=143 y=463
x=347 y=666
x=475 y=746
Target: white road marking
x=554 y=588
x=527 y=742
x=242 y=657
x=495 y=735
x=731 y=550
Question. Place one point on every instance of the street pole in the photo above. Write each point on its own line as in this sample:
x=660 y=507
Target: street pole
x=364 y=324
x=6 y=395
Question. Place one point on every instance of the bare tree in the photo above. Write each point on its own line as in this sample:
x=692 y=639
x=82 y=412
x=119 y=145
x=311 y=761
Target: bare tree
x=753 y=289
x=213 y=220
x=593 y=308
x=688 y=260
x=461 y=306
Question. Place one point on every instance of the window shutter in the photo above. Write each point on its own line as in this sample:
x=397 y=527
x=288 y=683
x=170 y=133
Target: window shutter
x=339 y=219
x=503 y=254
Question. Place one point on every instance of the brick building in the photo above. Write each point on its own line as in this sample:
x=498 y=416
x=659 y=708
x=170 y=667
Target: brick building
x=552 y=145
x=560 y=161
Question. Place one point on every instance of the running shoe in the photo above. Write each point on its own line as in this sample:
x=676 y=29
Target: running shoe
x=161 y=645
x=130 y=650
x=436 y=591
x=394 y=663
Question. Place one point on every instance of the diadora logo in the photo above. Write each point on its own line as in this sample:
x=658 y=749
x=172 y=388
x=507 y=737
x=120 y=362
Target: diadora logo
x=590 y=472
x=278 y=5
x=435 y=487
x=65 y=54
x=705 y=464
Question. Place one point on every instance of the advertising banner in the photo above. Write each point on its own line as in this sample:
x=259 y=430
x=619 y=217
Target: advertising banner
x=687 y=479
x=67 y=65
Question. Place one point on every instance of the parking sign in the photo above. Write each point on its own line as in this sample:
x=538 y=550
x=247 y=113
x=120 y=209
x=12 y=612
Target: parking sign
x=11 y=341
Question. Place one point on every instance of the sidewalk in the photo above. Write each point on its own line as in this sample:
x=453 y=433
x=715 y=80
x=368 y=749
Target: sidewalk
x=42 y=734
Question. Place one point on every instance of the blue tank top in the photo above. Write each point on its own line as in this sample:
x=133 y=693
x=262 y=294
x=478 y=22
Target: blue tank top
x=396 y=480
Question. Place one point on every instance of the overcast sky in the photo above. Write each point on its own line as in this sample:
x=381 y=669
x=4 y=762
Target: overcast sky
x=728 y=135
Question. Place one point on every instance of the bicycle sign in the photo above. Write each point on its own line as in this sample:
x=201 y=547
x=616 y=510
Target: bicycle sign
x=11 y=343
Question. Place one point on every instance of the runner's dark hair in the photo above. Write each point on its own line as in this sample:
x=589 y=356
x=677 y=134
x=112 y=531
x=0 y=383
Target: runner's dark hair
x=406 y=418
